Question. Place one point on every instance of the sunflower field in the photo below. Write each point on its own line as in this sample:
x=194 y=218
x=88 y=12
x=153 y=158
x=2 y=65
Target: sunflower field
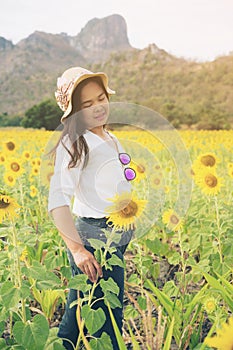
x=179 y=265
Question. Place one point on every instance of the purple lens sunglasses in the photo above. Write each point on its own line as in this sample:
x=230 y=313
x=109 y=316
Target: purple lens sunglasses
x=125 y=159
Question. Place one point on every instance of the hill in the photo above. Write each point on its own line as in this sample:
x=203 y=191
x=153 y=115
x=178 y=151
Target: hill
x=186 y=92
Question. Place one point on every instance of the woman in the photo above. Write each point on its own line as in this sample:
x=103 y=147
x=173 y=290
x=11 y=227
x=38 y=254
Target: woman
x=88 y=171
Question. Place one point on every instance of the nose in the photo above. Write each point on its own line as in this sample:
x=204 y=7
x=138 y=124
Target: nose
x=98 y=106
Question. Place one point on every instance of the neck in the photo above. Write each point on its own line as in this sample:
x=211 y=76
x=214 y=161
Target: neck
x=99 y=130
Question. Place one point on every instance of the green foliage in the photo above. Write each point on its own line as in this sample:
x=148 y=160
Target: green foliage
x=44 y=115
x=6 y=120
x=184 y=92
x=30 y=335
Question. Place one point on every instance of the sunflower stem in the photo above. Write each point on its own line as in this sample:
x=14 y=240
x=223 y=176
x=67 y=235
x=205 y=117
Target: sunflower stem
x=17 y=275
x=219 y=229
x=22 y=202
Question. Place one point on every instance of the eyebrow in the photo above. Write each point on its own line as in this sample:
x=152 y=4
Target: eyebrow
x=88 y=101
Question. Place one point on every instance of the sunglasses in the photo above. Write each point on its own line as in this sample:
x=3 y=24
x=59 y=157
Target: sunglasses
x=125 y=159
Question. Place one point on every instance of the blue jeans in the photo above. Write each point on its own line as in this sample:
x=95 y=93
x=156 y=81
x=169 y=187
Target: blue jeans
x=91 y=228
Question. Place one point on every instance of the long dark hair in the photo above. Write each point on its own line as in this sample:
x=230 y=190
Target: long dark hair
x=74 y=126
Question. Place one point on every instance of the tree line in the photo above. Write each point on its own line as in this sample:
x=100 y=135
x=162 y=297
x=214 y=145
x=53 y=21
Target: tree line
x=47 y=115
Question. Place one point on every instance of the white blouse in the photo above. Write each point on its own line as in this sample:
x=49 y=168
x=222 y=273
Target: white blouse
x=88 y=191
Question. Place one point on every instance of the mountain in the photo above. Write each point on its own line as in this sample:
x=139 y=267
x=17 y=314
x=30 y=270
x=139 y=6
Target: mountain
x=5 y=44
x=99 y=38
x=184 y=91
x=29 y=69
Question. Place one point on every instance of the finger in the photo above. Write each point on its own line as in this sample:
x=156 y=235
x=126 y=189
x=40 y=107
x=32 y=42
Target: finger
x=90 y=272
x=98 y=268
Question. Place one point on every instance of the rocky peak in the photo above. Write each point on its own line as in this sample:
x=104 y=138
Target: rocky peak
x=100 y=36
x=5 y=44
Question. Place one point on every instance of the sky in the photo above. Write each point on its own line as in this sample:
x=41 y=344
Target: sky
x=199 y=30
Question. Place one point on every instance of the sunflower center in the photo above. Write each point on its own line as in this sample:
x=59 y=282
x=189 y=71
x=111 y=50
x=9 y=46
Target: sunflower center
x=15 y=166
x=2 y=159
x=10 y=146
x=3 y=204
x=210 y=305
x=140 y=168
x=174 y=219
x=128 y=208
x=208 y=160
x=211 y=180
x=157 y=181
x=10 y=179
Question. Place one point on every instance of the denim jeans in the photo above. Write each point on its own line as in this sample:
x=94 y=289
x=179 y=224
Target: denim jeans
x=68 y=329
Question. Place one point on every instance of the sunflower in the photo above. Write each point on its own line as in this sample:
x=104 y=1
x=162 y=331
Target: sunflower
x=36 y=162
x=2 y=158
x=9 y=179
x=156 y=180
x=209 y=182
x=46 y=172
x=14 y=166
x=172 y=220
x=9 y=146
x=210 y=304
x=125 y=210
x=8 y=207
x=230 y=169
x=26 y=155
x=205 y=160
x=140 y=166
x=224 y=338
x=35 y=170
x=33 y=191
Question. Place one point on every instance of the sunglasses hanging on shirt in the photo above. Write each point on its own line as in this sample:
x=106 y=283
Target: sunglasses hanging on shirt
x=125 y=159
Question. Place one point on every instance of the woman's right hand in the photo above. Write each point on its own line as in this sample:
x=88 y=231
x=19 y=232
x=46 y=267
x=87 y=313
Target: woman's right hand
x=87 y=263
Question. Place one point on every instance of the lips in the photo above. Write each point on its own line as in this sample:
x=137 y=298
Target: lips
x=100 y=116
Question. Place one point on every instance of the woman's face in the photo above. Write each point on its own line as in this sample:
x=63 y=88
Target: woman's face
x=94 y=105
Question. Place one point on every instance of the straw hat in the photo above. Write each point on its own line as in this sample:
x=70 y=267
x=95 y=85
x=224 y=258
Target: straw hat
x=67 y=83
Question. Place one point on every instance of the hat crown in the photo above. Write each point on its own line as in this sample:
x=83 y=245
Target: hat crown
x=75 y=73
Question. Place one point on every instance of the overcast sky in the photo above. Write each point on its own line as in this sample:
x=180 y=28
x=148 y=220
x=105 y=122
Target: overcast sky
x=196 y=29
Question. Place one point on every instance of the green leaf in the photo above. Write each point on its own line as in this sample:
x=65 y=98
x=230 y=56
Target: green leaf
x=118 y=335
x=53 y=342
x=215 y=284
x=115 y=260
x=96 y=243
x=112 y=299
x=94 y=319
x=136 y=346
x=167 y=345
x=10 y=295
x=228 y=286
x=142 y=302
x=134 y=279
x=104 y=342
x=130 y=312
x=157 y=247
x=174 y=258
x=109 y=285
x=167 y=304
x=3 y=345
x=32 y=335
x=79 y=282
x=170 y=289
x=44 y=279
x=18 y=331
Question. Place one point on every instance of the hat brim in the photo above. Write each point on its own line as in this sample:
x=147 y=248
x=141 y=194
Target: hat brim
x=104 y=79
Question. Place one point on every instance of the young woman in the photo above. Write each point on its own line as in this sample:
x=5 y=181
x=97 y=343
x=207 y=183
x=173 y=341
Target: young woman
x=87 y=173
